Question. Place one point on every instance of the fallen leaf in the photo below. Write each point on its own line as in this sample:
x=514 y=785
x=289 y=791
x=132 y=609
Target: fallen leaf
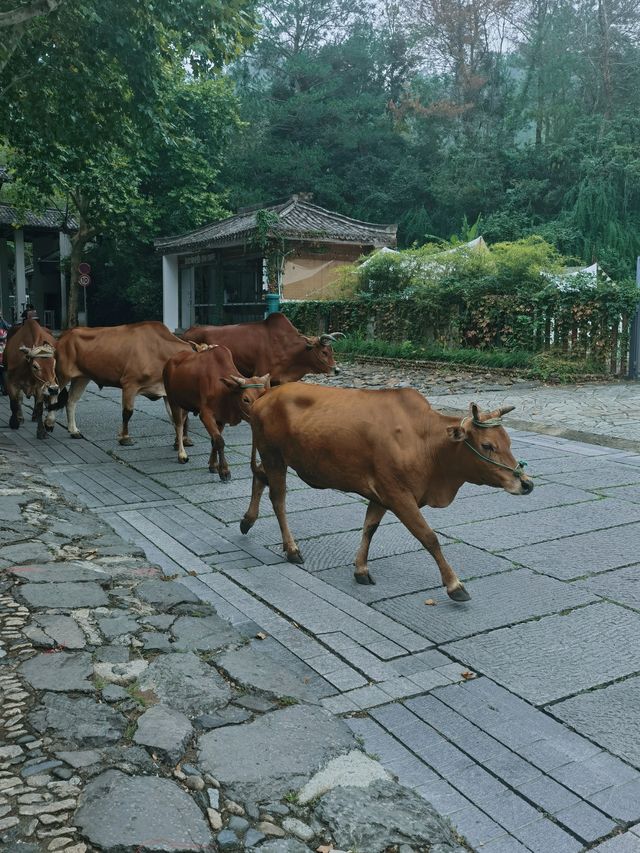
x=430 y=602
x=261 y=635
x=468 y=675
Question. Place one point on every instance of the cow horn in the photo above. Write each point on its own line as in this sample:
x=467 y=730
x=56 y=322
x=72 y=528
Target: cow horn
x=331 y=338
x=504 y=410
x=25 y=350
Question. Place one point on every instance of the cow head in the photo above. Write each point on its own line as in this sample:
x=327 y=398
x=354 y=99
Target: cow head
x=319 y=353
x=42 y=364
x=247 y=391
x=489 y=461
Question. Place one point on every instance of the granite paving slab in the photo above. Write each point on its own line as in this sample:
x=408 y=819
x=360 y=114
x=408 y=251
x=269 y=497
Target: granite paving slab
x=64 y=595
x=118 y=812
x=542 y=525
x=571 y=557
x=253 y=668
x=59 y=672
x=274 y=754
x=60 y=573
x=498 y=504
x=624 y=493
x=184 y=682
x=82 y=721
x=50 y=631
x=556 y=656
x=592 y=714
x=605 y=475
x=497 y=600
x=339 y=549
x=416 y=571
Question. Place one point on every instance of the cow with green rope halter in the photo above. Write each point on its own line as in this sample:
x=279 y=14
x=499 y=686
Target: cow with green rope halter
x=389 y=446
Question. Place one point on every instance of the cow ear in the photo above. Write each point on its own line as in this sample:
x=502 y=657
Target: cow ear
x=474 y=411
x=310 y=342
x=266 y=380
x=457 y=433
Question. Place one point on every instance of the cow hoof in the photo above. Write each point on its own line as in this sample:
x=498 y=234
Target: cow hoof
x=14 y=423
x=213 y=469
x=459 y=594
x=295 y=556
x=187 y=441
x=245 y=526
x=127 y=441
x=225 y=476
x=184 y=460
x=76 y=435
x=48 y=427
x=363 y=578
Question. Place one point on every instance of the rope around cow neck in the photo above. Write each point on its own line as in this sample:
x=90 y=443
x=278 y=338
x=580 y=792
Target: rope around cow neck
x=518 y=471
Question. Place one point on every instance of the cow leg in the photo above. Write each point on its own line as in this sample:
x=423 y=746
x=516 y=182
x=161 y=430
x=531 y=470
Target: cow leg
x=187 y=440
x=223 y=466
x=277 y=493
x=76 y=390
x=412 y=518
x=217 y=445
x=15 y=402
x=178 y=416
x=50 y=420
x=257 y=488
x=128 y=400
x=375 y=514
x=37 y=410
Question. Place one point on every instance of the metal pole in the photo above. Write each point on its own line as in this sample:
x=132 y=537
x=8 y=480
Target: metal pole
x=86 y=319
x=634 y=338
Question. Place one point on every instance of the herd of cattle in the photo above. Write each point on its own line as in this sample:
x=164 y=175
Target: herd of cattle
x=389 y=446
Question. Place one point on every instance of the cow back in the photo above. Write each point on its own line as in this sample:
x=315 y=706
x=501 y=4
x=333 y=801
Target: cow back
x=115 y=355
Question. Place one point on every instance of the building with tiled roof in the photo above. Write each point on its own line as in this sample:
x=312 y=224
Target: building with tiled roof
x=31 y=272
x=218 y=273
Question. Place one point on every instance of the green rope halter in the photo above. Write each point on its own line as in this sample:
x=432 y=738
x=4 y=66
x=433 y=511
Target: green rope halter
x=518 y=471
x=253 y=385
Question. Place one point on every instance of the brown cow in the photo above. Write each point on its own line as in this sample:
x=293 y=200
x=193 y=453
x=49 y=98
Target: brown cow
x=389 y=446
x=273 y=346
x=131 y=357
x=31 y=370
x=207 y=384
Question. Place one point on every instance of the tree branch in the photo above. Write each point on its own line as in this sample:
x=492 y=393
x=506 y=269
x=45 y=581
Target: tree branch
x=17 y=16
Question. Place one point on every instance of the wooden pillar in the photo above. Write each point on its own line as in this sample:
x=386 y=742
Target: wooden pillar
x=187 y=285
x=5 y=302
x=21 y=278
x=170 y=292
x=65 y=253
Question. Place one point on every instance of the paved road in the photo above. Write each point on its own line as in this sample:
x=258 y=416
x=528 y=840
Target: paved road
x=541 y=750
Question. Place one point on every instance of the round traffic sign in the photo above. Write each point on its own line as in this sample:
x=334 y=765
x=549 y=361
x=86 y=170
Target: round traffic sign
x=84 y=280
x=84 y=268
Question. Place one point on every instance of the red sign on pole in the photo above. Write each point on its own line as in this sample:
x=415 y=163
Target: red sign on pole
x=84 y=279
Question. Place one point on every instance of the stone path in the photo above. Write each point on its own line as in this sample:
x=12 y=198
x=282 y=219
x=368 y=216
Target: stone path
x=514 y=715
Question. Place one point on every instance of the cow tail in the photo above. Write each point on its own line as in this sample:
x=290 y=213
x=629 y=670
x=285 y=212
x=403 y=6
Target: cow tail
x=61 y=401
x=257 y=468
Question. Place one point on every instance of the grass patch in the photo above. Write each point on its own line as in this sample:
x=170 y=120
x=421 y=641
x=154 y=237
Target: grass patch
x=536 y=365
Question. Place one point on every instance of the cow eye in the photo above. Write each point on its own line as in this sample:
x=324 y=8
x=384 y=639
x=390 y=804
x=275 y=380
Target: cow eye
x=36 y=366
x=489 y=447
x=245 y=399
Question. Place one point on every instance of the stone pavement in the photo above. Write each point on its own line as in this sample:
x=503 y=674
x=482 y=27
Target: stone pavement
x=515 y=715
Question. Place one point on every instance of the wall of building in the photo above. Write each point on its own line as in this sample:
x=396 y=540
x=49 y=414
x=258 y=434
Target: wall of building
x=313 y=276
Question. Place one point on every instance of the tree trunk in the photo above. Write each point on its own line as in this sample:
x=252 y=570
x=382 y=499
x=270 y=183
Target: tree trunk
x=78 y=243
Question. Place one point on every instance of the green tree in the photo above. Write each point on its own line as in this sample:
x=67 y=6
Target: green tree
x=101 y=82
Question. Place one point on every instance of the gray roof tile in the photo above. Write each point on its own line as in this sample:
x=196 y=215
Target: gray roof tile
x=298 y=219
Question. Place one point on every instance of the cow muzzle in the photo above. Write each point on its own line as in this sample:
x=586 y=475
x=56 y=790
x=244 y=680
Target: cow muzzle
x=53 y=390
x=526 y=486
x=336 y=371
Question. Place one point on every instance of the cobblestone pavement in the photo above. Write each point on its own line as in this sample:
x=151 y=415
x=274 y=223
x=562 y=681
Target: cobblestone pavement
x=601 y=411
x=515 y=715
